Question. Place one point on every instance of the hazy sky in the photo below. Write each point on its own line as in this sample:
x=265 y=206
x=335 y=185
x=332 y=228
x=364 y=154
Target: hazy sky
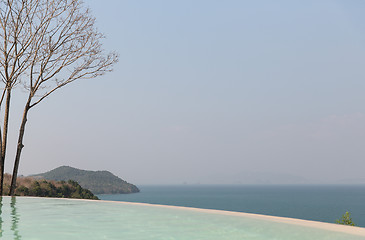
x=213 y=92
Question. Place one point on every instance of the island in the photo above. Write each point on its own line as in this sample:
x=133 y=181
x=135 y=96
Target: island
x=98 y=182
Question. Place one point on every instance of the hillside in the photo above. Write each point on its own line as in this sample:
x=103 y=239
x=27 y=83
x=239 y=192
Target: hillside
x=29 y=186
x=98 y=182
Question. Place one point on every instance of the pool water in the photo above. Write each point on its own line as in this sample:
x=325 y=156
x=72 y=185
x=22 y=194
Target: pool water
x=42 y=218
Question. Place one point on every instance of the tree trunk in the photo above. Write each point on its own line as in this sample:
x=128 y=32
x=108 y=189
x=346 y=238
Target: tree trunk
x=1 y=168
x=4 y=140
x=19 y=149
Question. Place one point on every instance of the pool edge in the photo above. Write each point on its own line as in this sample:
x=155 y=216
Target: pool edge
x=352 y=230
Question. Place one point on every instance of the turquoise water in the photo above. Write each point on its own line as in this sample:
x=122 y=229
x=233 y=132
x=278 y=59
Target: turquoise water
x=319 y=203
x=40 y=218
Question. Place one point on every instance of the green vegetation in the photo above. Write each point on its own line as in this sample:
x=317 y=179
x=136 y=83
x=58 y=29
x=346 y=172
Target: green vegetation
x=346 y=220
x=28 y=186
x=98 y=182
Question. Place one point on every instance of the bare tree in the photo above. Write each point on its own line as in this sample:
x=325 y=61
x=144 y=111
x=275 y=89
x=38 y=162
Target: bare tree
x=47 y=45
x=13 y=60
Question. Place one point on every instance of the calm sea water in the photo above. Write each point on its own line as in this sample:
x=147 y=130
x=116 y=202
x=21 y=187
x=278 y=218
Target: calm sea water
x=319 y=203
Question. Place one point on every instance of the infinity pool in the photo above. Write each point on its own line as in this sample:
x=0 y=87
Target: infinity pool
x=42 y=218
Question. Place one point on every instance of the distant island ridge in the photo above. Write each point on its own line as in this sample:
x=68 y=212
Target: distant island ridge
x=98 y=182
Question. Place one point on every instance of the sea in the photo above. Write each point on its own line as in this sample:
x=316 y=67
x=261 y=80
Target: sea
x=324 y=203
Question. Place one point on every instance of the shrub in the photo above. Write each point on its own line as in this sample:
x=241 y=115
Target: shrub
x=28 y=186
x=22 y=191
x=346 y=219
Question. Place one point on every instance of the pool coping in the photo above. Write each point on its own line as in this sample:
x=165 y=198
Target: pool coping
x=353 y=230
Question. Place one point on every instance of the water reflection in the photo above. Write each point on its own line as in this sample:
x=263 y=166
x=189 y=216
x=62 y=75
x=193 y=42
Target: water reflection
x=1 y=217
x=14 y=219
